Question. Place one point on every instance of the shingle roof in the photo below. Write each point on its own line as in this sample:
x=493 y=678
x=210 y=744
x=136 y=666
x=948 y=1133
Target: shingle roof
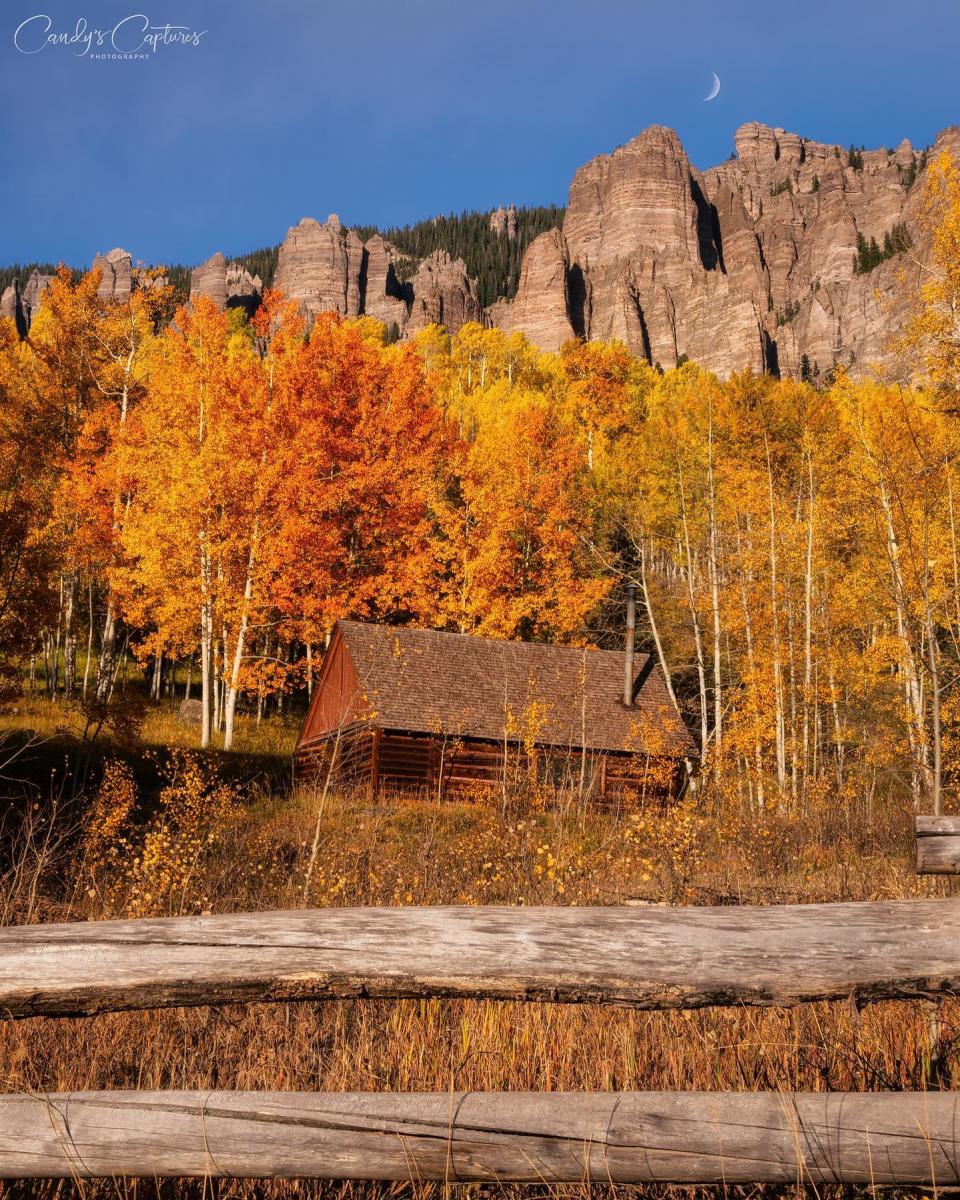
x=424 y=681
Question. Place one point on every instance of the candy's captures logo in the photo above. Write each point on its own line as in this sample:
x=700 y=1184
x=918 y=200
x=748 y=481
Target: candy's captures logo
x=132 y=37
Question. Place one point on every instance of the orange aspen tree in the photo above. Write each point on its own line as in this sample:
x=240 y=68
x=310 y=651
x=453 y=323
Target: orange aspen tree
x=358 y=498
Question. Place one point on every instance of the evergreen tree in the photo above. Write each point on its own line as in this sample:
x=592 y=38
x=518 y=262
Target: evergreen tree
x=21 y=272
x=262 y=262
x=869 y=255
x=492 y=259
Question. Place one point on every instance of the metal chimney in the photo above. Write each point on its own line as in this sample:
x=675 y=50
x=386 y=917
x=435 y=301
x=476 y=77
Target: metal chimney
x=628 y=647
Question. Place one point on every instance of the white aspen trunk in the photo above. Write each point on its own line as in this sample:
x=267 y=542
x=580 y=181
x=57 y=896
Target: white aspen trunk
x=206 y=646
x=70 y=637
x=913 y=689
x=283 y=656
x=222 y=673
x=933 y=665
x=779 y=717
x=107 y=646
x=261 y=694
x=55 y=648
x=309 y=670
x=654 y=629
x=808 y=627
x=583 y=726
x=107 y=662
x=45 y=642
x=956 y=558
x=745 y=579
x=792 y=688
x=912 y=685
x=238 y=651
x=123 y=669
x=86 y=665
x=834 y=701
x=697 y=637
x=714 y=568
x=215 y=678
x=936 y=767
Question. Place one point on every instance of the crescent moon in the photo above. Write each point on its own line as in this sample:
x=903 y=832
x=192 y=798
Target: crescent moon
x=715 y=90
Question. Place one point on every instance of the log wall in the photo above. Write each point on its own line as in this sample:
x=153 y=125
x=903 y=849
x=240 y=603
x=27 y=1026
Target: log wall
x=443 y=765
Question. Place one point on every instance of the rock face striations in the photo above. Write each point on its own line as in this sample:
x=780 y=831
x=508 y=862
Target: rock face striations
x=328 y=269
x=320 y=266
x=228 y=285
x=116 y=274
x=542 y=308
x=210 y=280
x=752 y=264
x=441 y=293
x=384 y=296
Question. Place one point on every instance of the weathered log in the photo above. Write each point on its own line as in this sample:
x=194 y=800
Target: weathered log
x=938 y=845
x=650 y=958
x=629 y=1137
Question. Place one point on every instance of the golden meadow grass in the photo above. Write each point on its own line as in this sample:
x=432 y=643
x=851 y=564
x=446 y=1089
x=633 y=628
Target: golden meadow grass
x=204 y=843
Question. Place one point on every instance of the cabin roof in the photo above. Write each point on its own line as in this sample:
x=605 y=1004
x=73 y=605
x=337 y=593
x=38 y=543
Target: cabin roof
x=424 y=681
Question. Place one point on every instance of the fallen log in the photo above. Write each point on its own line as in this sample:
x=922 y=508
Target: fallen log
x=648 y=958
x=629 y=1137
x=938 y=845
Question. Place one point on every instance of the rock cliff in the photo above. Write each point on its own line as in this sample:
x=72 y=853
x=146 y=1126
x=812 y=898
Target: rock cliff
x=755 y=263
x=116 y=274
x=328 y=269
x=383 y=293
x=441 y=293
x=21 y=305
x=210 y=280
x=503 y=222
x=228 y=285
x=320 y=267
x=11 y=306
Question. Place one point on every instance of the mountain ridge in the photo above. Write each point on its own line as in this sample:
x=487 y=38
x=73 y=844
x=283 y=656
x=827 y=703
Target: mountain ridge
x=791 y=257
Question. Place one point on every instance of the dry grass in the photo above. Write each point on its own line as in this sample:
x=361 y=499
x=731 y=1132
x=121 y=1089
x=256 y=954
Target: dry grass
x=158 y=725
x=253 y=853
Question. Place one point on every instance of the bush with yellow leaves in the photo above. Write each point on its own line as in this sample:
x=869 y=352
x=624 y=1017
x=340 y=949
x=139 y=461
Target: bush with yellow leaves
x=146 y=864
x=105 y=844
x=673 y=839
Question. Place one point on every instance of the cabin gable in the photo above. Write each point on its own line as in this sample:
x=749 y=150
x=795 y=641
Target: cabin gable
x=338 y=699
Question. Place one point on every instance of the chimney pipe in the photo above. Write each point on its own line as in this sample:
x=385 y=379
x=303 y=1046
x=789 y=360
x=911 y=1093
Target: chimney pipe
x=628 y=648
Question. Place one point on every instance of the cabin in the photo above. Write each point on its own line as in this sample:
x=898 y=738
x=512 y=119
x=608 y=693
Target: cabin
x=416 y=709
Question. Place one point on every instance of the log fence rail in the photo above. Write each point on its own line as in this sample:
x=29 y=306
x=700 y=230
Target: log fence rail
x=644 y=957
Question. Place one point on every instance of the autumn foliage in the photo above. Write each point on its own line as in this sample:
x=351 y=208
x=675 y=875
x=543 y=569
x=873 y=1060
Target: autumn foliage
x=217 y=492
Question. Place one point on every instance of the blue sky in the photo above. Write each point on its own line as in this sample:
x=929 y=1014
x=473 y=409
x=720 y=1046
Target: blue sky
x=390 y=112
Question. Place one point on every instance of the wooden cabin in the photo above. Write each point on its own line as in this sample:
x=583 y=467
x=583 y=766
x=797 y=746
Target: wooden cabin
x=403 y=708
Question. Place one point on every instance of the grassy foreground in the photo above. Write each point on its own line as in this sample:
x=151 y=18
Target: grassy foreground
x=195 y=834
